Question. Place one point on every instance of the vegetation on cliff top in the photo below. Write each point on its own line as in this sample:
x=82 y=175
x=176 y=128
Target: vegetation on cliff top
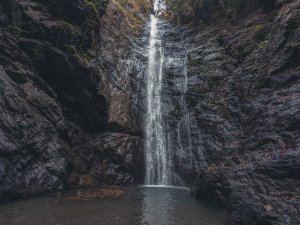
x=185 y=11
x=131 y=11
x=82 y=37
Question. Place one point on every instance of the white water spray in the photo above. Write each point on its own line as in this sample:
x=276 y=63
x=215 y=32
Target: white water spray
x=158 y=160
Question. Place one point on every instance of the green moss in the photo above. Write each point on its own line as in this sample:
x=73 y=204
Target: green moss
x=83 y=57
x=294 y=44
x=250 y=69
x=180 y=11
x=259 y=27
x=133 y=20
x=146 y=7
x=123 y=2
x=15 y=29
x=70 y=47
x=262 y=44
x=93 y=5
x=71 y=28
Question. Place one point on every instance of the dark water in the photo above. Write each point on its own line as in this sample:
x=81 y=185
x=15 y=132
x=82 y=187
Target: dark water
x=137 y=206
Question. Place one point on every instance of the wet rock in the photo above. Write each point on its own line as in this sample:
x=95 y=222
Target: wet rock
x=242 y=95
x=104 y=191
x=59 y=123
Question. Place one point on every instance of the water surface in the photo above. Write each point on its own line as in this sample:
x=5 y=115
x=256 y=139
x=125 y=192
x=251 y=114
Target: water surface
x=135 y=206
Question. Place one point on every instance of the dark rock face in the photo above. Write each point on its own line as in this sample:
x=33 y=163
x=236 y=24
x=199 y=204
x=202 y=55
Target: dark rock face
x=243 y=104
x=177 y=119
x=72 y=101
x=242 y=100
x=63 y=120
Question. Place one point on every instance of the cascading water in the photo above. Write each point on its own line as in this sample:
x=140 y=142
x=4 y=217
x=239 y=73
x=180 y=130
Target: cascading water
x=184 y=123
x=158 y=159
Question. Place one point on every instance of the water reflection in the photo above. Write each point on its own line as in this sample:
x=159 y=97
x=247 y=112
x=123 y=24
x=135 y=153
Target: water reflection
x=156 y=206
x=175 y=206
x=137 y=206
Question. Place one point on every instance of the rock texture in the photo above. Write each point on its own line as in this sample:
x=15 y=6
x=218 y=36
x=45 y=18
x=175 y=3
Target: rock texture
x=64 y=115
x=244 y=104
x=72 y=99
x=176 y=114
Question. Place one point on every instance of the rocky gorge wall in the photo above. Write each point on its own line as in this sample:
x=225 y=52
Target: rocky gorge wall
x=65 y=113
x=72 y=99
x=243 y=103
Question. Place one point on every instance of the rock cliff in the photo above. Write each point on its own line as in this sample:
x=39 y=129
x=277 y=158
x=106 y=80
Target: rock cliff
x=72 y=99
x=64 y=107
x=244 y=105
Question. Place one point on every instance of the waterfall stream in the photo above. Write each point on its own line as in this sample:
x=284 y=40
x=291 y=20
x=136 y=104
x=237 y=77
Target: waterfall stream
x=158 y=160
x=168 y=142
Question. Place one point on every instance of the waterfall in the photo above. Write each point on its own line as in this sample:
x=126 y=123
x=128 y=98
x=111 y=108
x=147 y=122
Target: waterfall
x=158 y=159
x=186 y=117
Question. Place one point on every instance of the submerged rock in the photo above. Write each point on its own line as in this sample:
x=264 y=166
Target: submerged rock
x=103 y=192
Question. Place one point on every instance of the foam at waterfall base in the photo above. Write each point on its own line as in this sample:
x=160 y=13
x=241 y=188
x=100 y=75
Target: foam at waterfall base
x=166 y=186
